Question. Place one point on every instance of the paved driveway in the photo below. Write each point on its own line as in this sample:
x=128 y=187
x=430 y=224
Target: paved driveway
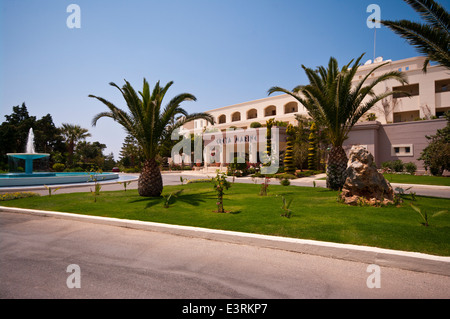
x=118 y=262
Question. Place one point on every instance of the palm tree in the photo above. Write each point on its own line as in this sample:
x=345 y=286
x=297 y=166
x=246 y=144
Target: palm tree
x=432 y=38
x=72 y=134
x=335 y=103
x=149 y=124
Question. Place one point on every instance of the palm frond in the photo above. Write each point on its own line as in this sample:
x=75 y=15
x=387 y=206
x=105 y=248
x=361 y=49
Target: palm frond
x=432 y=12
x=432 y=38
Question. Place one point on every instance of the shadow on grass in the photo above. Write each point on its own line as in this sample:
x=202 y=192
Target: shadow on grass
x=191 y=199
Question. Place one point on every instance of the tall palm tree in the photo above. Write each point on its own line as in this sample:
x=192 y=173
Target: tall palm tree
x=335 y=103
x=149 y=124
x=432 y=39
x=72 y=134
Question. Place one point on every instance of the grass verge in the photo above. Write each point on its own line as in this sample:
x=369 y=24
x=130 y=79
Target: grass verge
x=316 y=214
x=418 y=179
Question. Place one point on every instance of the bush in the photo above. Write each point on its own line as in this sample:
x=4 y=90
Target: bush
x=285 y=176
x=411 y=168
x=199 y=180
x=237 y=168
x=436 y=156
x=285 y=182
x=396 y=166
x=11 y=196
x=255 y=125
x=58 y=167
x=76 y=169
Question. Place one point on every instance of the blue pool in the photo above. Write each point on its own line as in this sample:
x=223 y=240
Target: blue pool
x=48 y=178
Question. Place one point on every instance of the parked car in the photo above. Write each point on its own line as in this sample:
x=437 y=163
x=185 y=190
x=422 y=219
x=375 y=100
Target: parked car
x=116 y=169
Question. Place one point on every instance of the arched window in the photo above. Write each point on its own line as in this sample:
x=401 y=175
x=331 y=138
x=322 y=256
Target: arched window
x=271 y=110
x=291 y=107
x=222 y=119
x=252 y=114
x=236 y=116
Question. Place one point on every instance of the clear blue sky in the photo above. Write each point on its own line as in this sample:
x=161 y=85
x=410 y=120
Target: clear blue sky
x=222 y=51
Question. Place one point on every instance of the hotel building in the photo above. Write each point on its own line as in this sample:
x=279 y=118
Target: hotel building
x=401 y=123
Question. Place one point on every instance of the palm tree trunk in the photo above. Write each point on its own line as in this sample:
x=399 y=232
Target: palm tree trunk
x=336 y=166
x=150 y=181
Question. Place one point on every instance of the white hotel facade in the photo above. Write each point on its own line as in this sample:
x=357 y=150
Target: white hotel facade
x=401 y=122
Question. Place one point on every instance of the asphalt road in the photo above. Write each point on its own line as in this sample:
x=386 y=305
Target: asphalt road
x=118 y=262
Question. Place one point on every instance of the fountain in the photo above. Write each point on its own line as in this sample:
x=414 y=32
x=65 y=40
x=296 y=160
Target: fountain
x=30 y=154
x=30 y=178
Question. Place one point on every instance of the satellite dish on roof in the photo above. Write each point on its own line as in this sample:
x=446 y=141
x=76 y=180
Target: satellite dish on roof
x=368 y=62
x=379 y=59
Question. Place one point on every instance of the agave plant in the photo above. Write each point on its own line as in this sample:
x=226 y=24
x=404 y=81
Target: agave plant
x=425 y=216
x=150 y=124
x=335 y=101
x=286 y=204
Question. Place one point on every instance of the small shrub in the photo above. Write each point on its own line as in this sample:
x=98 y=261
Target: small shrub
x=285 y=182
x=411 y=168
x=58 y=167
x=425 y=216
x=51 y=189
x=125 y=184
x=398 y=166
x=285 y=176
x=286 y=204
x=220 y=185
x=167 y=198
x=264 y=187
x=303 y=174
x=17 y=195
x=387 y=165
x=199 y=180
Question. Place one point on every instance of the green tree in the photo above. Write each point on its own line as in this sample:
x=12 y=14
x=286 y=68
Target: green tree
x=149 y=124
x=14 y=133
x=47 y=137
x=90 y=153
x=72 y=134
x=432 y=38
x=289 y=166
x=14 y=130
x=336 y=103
x=130 y=153
x=436 y=156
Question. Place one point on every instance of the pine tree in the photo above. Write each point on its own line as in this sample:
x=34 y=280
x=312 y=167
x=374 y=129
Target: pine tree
x=312 y=150
x=130 y=153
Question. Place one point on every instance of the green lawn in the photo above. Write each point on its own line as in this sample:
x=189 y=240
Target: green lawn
x=415 y=179
x=316 y=214
x=418 y=179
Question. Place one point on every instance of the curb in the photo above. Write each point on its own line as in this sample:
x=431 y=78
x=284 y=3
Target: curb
x=372 y=255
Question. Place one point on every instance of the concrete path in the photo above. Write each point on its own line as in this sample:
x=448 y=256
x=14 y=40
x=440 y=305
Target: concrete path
x=173 y=178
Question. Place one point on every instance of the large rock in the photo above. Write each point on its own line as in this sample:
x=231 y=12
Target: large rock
x=364 y=184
